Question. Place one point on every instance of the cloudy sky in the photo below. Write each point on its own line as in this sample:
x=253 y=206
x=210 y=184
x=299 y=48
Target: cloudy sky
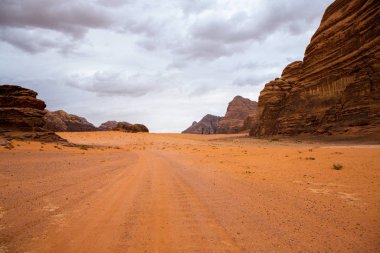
x=161 y=63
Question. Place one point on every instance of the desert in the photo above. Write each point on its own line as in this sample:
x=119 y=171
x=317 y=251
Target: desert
x=123 y=192
x=189 y=126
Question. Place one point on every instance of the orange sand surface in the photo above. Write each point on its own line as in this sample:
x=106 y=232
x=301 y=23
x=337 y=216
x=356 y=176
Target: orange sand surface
x=188 y=193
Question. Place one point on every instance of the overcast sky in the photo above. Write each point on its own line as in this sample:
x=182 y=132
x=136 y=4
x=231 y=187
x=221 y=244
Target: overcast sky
x=161 y=63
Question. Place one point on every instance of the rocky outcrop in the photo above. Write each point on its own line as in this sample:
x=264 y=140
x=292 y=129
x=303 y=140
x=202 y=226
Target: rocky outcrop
x=236 y=118
x=20 y=110
x=108 y=125
x=336 y=88
x=21 y=116
x=131 y=128
x=61 y=121
x=207 y=125
x=111 y=125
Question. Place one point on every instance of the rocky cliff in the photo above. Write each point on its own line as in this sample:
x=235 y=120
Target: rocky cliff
x=238 y=110
x=207 y=125
x=20 y=110
x=335 y=89
x=61 y=121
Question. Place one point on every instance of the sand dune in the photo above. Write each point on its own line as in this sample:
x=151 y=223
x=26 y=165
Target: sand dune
x=188 y=193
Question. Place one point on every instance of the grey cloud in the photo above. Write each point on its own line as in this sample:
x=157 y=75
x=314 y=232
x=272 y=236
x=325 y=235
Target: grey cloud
x=195 y=6
x=254 y=80
x=71 y=17
x=207 y=50
x=288 y=16
x=117 y=84
x=34 y=41
x=27 y=24
x=113 y=3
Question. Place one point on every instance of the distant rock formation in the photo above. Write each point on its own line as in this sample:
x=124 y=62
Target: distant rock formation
x=336 y=88
x=207 y=125
x=20 y=110
x=110 y=125
x=131 y=128
x=61 y=121
x=236 y=118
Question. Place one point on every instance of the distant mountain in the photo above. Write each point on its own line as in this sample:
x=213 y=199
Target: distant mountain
x=238 y=110
x=110 y=125
x=207 y=125
x=61 y=121
x=131 y=128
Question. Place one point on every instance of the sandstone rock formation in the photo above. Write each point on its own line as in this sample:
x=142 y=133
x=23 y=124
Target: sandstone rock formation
x=111 y=125
x=336 y=88
x=21 y=116
x=131 y=128
x=235 y=119
x=207 y=125
x=20 y=110
x=61 y=121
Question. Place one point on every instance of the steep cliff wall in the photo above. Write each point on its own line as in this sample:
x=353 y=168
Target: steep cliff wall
x=336 y=88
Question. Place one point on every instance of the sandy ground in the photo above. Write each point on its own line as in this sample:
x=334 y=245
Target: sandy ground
x=188 y=193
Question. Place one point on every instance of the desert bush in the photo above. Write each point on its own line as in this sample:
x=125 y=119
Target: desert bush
x=337 y=166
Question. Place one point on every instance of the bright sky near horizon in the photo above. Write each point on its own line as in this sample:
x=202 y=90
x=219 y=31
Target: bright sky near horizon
x=161 y=63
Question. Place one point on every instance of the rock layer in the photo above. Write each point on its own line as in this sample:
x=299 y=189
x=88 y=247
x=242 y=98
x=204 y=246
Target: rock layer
x=20 y=110
x=335 y=89
x=61 y=121
x=207 y=125
x=238 y=111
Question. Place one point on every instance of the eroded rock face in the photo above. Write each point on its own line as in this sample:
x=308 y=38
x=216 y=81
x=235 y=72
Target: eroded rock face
x=131 y=128
x=61 y=121
x=207 y=125
x=20 y=110
x=238 y=111
x=335 y=89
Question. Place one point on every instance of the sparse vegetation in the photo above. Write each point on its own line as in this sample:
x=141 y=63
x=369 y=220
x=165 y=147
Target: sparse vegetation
x=337 y=166
x=309 y=158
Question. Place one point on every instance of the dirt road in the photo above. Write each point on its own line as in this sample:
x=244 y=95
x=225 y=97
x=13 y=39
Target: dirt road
x=169 y=193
